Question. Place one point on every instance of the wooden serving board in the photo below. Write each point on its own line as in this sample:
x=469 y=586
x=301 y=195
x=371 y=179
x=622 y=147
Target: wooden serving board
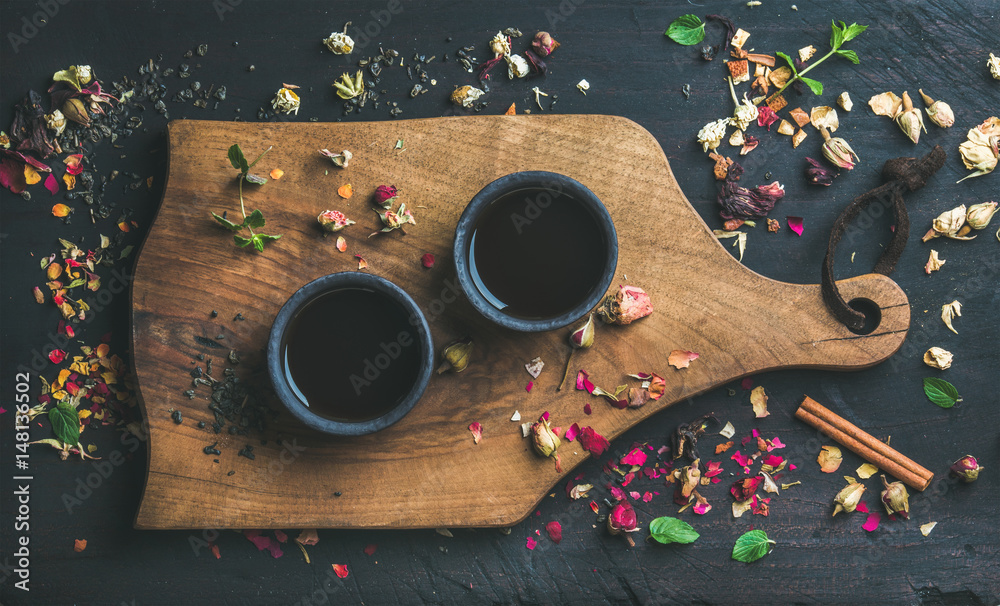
x=425 y=471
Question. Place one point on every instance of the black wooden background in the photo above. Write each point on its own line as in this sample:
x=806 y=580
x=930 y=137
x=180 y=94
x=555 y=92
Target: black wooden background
x=634 y=71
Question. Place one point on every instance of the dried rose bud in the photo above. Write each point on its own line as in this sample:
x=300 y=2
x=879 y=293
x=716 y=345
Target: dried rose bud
x=838 y=151
x=583 y=337
x=544 y=44
x=333 y=220
x=385 y=194
x=543 y=439
x=939 y=358
x=817 y=174
x=938 y=111
x=75 y=110
x=966 y=469
x=455 y=356
x=911 y=119
x=622 y=519
x=949 y=224
x=980 y=215
x=626 y=305
x=895 y=498
x=466 y=95
x=848 y=498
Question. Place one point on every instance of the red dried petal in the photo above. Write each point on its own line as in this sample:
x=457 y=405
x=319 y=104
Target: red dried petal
x=583 y=382
x=555 y=531
x=872 y=522
x=73 y=165
x=362 y=264
x=57 y=356
x=572 y=432
x=747 y=383
x=647 y=497
x=594 y=507
x=427 y=260
x=477 y=431
x=215 y=551
x=587 y=409
x=634 y=457
x=742 y=459
x=862 y=507
x=795 y=224
x=370 y=549
x=528 y=387
x=593 y=442
x=531 y=543
x=281 y=536
x=745 y=488
x=341 y=570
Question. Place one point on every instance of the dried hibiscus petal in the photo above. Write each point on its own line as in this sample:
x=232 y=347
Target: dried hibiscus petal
x=593 y=442
x=555 y=531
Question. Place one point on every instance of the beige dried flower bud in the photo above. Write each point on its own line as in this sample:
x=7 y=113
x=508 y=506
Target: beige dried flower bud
x=938 y=111
x=966 y=469
x=980 y=215
x=838 y=151
x=456 y=356
x=895 y=498
x=935 y=357
x=994 y=63
x=848 y=498
x=910 y=119
x=711 y=135
x=75 y=110
x=583 y=337
x=949 y=224
x=340 y=43
x=543 y=439
x=56 y=121
x=285 y=100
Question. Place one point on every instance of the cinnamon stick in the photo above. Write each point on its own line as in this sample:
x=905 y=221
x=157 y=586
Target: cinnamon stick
x=863 y=444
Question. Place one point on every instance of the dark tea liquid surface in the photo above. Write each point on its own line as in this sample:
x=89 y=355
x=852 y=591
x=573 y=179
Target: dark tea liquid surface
x=536 y=253
x=351 y=354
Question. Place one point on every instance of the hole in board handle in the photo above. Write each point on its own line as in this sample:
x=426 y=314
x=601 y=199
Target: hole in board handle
x=872 y=313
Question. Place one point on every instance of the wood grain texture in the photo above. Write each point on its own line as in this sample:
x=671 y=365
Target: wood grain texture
x=425 y=471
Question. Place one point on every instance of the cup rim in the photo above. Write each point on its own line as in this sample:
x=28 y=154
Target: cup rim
x=309 y=292
x=521 y=180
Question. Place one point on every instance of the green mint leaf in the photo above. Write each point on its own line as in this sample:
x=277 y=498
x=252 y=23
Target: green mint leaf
x=671 y=530
x=268 y=238
x=941 y=392
x=256 y=219
x=853 y=31
x=752 y=546
x=255 y=179
x=258 y=242
x=237 y=159
x=77 y=282
x=227 y=223
x=125 y=252
x=850 y=56
x=258 y=159
x=241 y=241
x=837 y=35
x=686 y=30
x=815 y=85
x=65 y=423
x=788 y=60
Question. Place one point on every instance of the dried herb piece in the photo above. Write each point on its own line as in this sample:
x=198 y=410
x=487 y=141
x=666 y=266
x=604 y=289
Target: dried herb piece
x=686 y=30
x=925 y=529
x=838 y=37
x=340 y=43
x=684 y=440
x=286 y=100
x=672 y=530
x=254 y=219
x=348 y=88
x=941 y=392
x=752 y=546
x=340 y=160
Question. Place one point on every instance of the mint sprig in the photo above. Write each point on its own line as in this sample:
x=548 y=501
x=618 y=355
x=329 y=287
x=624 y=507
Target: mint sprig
x=941 y=392
x=838 y=37
x=65 y=423
x=752 y=546
x=687 y=30
x=672 y=530
x=254 y=220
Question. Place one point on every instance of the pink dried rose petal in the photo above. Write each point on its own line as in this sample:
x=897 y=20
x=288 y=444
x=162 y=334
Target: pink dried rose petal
x=773 y=460
x=73 y=165
x=647 y=497
x=477 y=431
x=872 y=522
x=774 y=443
x=713 y=469
x=587 y=409
x=52 y=184
x=795 y=224
x=281 y=536
x=746 y=383
x=528 y=387
x=741 y=459
x=617 y=493
x=531 y=543
x=701 y=505
x=593 y=442
x=370 y=549
x=680 y=358
x=427 y=260
x=57 y=356
x=635 y=495
x=341 y=570
x=862 y=507
x=766 y=117
x=745 y=488
x=572 y=432
x=555 y=531
x=635 y=457
x=583 y=382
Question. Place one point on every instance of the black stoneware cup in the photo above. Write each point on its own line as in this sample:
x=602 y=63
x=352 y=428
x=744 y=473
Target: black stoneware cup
x=349 y=354
x=535 y=251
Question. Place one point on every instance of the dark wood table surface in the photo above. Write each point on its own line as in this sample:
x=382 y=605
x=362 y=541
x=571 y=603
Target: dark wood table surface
x=634 y=71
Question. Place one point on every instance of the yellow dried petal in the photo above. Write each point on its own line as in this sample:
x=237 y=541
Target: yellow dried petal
x=829 y=459
x=786 y=128
x=934 y=262
x=886 y=104
x=31 y=176
x=866 y=471
x=949 y=312
x=939 y=358
x=824 y=116
x=758 y=399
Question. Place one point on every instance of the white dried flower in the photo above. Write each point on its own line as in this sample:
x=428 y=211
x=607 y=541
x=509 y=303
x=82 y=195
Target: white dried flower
x=844 y=101
x=340 y=43
x=583 y=86
x=994 y=63
x=84 y=74
x=745 y=112
x=517 y=66
x=500 y=45
x=340 y=160
x=285 y=100
x=56 y=121
x=711 y=135
x=466 y=95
